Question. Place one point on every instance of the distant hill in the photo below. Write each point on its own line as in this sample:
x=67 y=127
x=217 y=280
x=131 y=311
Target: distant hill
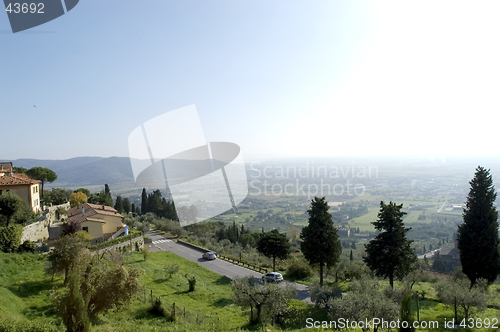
x=88 y=171
x=82 y=171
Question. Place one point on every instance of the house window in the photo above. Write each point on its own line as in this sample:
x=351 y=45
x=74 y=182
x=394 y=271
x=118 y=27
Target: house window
x=35 y=202
x=34 y=190
x=85 y=229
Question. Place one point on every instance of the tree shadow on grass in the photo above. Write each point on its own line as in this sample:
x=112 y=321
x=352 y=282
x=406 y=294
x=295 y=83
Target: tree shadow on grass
x=40 y=311
x=161 y=280
x=220 y=303
x=30 y=288
x=223 y=281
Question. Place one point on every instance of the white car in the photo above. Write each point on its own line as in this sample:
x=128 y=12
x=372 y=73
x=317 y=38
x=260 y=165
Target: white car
x=209 y=255
x=272 y=277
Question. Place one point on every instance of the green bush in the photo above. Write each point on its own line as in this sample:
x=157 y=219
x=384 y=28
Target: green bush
x=299 y=270
x=10 y=238
x=28 y=246
x=192 y=283
x=158 y=309
x=171 y=269
x=321 y=295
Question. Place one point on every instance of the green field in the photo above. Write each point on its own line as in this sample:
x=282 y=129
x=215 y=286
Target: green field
x=25 y=293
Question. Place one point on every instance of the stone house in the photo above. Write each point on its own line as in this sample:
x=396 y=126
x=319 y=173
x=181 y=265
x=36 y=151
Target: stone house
x=21 y=185
x=100 y=221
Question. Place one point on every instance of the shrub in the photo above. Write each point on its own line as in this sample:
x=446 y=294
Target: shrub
x=299 y=270
x=171 y=269
x=158 y=309
x=192 y=282
x=321 y=295
x=10 y=238
x=28 y=246
x=145 y=252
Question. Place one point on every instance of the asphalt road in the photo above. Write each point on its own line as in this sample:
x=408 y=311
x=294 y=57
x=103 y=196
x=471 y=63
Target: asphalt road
x=219 y=266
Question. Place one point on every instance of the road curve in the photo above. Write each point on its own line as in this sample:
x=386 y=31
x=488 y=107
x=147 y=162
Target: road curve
x=219 y=266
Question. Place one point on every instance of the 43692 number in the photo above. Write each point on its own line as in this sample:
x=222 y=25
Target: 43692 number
x=24 y=8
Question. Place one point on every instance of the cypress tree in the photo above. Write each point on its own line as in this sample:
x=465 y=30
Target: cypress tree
x=478 y=234
x=144 y=205
x=126 y=205
x=389 y=254
x=119 y=204
x=320 y=240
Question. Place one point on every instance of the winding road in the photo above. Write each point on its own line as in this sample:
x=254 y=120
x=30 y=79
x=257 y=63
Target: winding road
x=219 y=266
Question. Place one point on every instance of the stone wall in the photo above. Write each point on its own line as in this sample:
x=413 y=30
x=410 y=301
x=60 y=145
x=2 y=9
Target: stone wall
x=119 y=246
x=40 y=229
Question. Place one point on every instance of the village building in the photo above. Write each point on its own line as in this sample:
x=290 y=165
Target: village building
x=21 y=185
x=100 y=221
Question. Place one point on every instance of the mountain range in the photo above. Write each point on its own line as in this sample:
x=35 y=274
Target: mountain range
x=82 y=171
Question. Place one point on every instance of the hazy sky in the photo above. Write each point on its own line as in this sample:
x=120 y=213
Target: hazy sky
x=279 y=78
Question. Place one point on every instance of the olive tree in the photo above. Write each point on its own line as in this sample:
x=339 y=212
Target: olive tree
x=269 y=298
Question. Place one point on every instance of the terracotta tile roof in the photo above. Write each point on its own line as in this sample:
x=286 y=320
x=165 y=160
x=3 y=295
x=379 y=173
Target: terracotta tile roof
x=17 y=179
x=85 y=211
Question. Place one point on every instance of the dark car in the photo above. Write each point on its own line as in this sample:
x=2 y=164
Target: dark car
x=272 y=277
x=209 y=255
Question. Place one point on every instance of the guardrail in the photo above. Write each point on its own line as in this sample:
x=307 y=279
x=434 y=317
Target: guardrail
x=256 y=268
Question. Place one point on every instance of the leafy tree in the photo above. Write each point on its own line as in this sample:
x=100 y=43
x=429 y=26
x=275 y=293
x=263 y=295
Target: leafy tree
x=83 y=190
x=102 y=198
x=274 y=245
x=9 y=205
x=19 y=170
x=463 y=293
x=57 y=196
x=71 y=228
x=389 y=254
x=24 y=215
x=269 y=298
x=77 y=199
x=43 y=174
x=95 y=286
x=365 y=302
x=65 y=254
x=119 y=204
x=321 y=295
x=144 y=205
x=320 y=241
x=10 y=238
x=438 y=264
x=478 y=234
x=126 y=205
